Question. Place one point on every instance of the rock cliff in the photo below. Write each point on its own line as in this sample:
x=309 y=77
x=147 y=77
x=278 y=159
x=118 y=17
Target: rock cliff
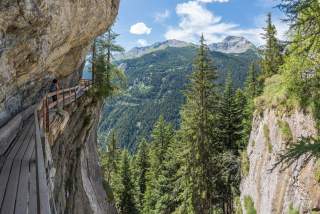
x=41 y=40
x=277 y=190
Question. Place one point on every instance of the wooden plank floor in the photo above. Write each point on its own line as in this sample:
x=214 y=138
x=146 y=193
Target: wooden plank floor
x=18 y=176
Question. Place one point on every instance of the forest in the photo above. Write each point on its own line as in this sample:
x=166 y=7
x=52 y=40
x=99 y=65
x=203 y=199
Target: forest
x=198 y=166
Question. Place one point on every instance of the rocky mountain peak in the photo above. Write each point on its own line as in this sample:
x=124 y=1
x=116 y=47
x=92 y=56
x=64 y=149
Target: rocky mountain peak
x=233 y=44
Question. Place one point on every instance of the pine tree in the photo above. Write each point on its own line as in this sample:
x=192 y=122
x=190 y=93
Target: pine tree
x=107 y=78
x=112 y=156
x=251 y=90
x=126 y=193
x=142 y=166
x=272 y=56
x=197 y=134
x=162 y=135
x=230 y=127
x=230 y=117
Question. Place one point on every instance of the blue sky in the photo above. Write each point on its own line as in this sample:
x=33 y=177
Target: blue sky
x=143 y=22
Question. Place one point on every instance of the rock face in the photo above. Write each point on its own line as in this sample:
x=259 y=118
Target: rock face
x=42 y=39
x=77 y=179
x=274 y=191
x=45 y=39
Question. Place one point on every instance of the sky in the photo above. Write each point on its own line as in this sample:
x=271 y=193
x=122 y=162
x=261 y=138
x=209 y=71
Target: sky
x=144 y=22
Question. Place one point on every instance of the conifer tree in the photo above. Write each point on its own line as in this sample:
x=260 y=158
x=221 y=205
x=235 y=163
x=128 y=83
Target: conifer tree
x=107 y=78
x=142 y=166
x=272 y=56
x=198 y=136
x=162 y=135
x=126 y=193
x=230 y=117
x=251 y=90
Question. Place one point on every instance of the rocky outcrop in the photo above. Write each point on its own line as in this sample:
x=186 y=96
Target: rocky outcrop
x=77 y=179
x=274 y=191
x=42 y=39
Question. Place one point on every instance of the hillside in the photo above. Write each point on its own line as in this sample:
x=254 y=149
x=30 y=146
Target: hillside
x=155 y=87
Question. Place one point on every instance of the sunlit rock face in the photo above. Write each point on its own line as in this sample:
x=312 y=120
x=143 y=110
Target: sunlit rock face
x=274 y=191
x=42 y=39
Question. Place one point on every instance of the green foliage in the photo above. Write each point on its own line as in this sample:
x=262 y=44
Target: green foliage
x=266 y=134
x=317 y=171
x=285 y=131
x=238 y=207
x=275 y=95
x=292 y=210
x=249 y=205
x=126 y=194
x=251 y=90
x=230 y=116
x=272 y=57
x=198 y=123
x=157 y=195
x=156 y=82
x=142 y=167
x=107 y=78
x=245 y=163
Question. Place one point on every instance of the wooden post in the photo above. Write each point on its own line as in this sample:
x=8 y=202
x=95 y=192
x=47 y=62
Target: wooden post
x=47 y=116
x=57 y=92
x=44 y=113
x=63 y=99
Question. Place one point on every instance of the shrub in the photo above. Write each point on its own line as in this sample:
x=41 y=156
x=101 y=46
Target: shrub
x=285 y=131
x=249 y=205
x=317 y=171
x=266 y=133
x=237 y=205
x=276 y=95
x=245 y=163
x=292 y=210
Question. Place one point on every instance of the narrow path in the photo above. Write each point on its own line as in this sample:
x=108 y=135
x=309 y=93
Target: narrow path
x=23 y=180
x=17 y=174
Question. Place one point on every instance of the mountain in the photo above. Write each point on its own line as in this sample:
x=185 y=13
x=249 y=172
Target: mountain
x=233 y=44
x=155 y=87
x=140 y=51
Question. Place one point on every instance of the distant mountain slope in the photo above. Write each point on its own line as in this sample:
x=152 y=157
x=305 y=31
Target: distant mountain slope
x=231 y=44
x=156 y=81
x=140 y=51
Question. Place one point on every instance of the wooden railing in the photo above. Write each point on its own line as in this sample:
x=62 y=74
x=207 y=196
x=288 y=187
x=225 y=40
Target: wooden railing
x=42 y=125
x=62 y=97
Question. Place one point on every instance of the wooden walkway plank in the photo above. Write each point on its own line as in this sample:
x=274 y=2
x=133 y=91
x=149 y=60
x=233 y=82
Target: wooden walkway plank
x=43 y=191
x=32 y=200
x=23 y=192
x=5 y=171
x=12 y=185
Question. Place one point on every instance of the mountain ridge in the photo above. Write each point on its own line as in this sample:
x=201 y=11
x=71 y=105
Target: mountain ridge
x=230 y=44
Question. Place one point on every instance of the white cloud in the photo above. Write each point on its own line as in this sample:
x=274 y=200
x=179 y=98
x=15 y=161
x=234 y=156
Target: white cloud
x=196 y=19
x=142 y=42
x=211 y=1
x=140 y=28
x=161 y=16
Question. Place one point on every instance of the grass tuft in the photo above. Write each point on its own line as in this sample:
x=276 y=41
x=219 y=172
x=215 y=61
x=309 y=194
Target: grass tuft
x=249 y=205
x=266 y=133
x=285 y=131
x=245 y=163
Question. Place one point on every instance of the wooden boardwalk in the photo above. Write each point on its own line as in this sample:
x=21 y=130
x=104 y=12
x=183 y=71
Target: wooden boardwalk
x=18 y=174
x=23 y=184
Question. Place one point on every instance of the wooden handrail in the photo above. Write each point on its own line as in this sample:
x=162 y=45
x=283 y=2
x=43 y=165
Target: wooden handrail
x=61 y=95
